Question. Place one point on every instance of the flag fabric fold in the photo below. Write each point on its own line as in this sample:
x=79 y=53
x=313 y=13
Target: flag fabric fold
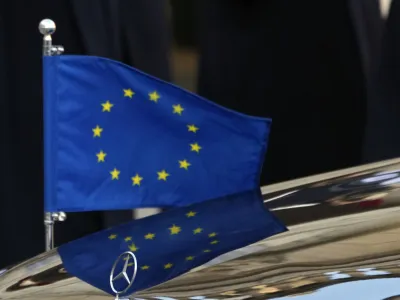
x=116 y=138
x=171 y=243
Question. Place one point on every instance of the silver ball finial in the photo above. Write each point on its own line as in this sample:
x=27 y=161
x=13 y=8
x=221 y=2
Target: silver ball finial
x=47 y=27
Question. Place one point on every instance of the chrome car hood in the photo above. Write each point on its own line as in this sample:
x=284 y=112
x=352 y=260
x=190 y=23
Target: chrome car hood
x=343 y=243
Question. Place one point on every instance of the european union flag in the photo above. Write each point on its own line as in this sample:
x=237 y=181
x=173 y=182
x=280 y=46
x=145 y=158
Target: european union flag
x=116 y=138
x=169 y=244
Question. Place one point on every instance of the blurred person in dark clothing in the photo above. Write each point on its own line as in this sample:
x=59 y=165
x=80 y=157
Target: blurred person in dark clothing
x=132 y=31
x=304 y=64
x=382 y=132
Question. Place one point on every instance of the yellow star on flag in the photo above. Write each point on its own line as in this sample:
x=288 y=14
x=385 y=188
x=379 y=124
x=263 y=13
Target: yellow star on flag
x=112 y=236
x=107 y=106
x=115 y=174
x=162 y=175
x=97 y=131
x=191 y=214
x=128 y=238
x=178 y=109
x=149 y=236
x=212 y=234
x=168 y=266
x=130 y=264
x=133 y=247
x=101 y=156
x=190 y=258
x=174 y=229
x=197 y=230
x=128 y=93
x=195 y=147
x=184 y=164
x=214 y=242
x=145 y=268
x=192 y=128
x=136 y=180
x=154 y=96
x=207 y=250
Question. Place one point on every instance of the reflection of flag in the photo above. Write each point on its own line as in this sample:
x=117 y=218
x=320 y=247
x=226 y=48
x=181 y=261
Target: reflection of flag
x=169 y=244
x=116 y=138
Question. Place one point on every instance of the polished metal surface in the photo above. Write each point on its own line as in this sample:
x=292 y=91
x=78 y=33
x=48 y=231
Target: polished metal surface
x=343 y=243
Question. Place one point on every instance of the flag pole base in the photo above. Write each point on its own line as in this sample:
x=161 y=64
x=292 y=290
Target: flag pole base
x=49 y=219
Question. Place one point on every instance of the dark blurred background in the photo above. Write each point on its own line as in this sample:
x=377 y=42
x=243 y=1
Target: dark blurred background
x=184 y=52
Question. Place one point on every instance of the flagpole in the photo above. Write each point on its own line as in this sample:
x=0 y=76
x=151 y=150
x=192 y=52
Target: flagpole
x=47 y=27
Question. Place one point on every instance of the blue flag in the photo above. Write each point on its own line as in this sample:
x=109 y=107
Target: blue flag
x=116 y=138
x=171 y=243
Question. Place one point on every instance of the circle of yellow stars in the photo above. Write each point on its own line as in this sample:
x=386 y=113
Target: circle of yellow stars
x=163 y=175
x=172 y=230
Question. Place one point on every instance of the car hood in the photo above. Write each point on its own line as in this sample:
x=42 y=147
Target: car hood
x=343 y=243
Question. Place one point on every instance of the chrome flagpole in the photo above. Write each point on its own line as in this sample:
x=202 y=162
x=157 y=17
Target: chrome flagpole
x=47 y=27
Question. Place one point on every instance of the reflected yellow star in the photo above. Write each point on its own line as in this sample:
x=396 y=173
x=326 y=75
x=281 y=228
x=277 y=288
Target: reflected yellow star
x=107 y=106
x=162 y=175
x=190 y=258
x=214 y=242
x=212 y=234
x=112 y=236
x=128 y=238
x=191 y=214
x=184 y=164
x=154 y=96
x=178 y=109
x=144 y=268
x=197 y=230
x=128 y=93
x=174 y=229
x=97 y=131
x=136 y=180
x=149 y=236
x=168 y=266
x=101 y=156
x=192 y=128
x=115 y=174
x=195 y=147
x=133 y=247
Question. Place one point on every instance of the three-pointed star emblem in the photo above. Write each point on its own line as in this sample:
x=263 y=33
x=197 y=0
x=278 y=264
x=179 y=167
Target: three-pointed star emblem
x=127 y=274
